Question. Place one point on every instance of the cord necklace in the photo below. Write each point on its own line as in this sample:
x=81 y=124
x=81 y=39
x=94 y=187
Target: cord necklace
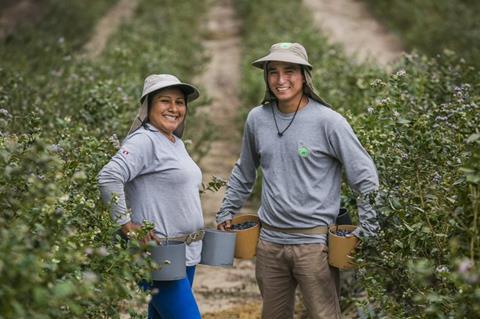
x=280 y=134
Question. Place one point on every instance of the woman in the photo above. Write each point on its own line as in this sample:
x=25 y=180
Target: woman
x=153 y=175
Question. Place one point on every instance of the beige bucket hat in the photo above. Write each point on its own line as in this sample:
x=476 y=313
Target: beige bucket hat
x=292 y=53
x=155 y=82
x=285 y=52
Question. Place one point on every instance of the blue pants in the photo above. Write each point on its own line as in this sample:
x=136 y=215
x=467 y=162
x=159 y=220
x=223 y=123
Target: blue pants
x=174 y=299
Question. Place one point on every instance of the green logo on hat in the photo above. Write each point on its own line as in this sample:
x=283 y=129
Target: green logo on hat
x=303 y=151
x=285 y=45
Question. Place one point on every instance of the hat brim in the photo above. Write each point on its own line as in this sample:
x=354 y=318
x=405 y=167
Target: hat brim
x=191 y=92
x=280 y=57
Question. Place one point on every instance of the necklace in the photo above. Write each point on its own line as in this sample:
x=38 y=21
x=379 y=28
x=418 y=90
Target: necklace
x=280 y=134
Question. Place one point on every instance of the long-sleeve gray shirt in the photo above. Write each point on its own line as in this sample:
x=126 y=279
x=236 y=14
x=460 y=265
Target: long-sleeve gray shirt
x=302 y=172
x=159 y=182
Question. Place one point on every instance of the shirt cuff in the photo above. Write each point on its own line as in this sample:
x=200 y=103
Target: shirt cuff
x=223 y=216
x=369 y=226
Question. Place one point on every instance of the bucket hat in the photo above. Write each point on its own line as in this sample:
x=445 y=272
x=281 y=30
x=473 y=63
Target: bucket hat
x=155 y=82
x=291 y=53
x=285 y=52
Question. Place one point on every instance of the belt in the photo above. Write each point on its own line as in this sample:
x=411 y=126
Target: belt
x=318 y=230
x=188 y=239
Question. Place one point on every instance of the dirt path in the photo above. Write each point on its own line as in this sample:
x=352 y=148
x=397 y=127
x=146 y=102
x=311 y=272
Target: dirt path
x=217 y=288
x=349 y=23
x=19 y=11
x=110 y=22
x=28 y=11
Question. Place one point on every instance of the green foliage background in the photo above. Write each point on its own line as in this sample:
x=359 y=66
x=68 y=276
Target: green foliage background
x=62 y=118
x=434 y=25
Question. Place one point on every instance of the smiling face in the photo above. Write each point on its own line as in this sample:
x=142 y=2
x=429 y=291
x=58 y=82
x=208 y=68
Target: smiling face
x=285 y=80
x=167 y=110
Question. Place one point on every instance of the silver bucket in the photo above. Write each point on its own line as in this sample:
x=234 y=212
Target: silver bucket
x=170 y=256
x=218 y=248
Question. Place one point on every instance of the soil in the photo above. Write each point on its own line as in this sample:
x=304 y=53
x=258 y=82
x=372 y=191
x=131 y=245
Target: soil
x=110 y=22
x=349 y=23
x=220 y=289
x=16 y=12
x=29 y=11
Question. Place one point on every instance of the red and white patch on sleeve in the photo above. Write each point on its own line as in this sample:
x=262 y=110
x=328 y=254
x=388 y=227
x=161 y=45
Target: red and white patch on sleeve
x=125 y=152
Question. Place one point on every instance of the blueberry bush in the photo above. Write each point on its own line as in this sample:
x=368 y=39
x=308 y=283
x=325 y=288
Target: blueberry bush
x=422 y=128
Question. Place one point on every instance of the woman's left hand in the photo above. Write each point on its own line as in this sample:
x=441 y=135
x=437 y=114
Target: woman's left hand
x=130 y=228
x=150 y=237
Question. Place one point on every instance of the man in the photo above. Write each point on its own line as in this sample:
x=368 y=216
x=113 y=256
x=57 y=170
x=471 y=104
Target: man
x=301 y=144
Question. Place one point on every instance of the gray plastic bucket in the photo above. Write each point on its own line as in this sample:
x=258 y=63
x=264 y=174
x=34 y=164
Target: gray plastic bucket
x=171 y=258
x=218 y=248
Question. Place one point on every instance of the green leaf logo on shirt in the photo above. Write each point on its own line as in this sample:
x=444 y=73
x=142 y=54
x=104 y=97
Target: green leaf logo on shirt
x=303 y=151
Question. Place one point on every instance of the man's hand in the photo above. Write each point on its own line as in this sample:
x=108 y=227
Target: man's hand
x=226 y=225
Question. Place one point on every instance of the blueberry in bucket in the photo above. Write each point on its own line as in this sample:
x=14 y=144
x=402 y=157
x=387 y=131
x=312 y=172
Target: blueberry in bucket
x=342 y=233
x=245 y=225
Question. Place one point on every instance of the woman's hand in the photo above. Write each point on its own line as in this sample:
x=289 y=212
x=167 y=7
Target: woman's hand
x=130 y=229
x=149 y=237
x=226 y=225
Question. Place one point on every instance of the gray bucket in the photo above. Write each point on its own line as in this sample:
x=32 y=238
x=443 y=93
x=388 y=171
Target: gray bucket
x=218 y=248
x=171 y=258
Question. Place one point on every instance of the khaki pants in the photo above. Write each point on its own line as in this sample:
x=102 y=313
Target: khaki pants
x=280 y=268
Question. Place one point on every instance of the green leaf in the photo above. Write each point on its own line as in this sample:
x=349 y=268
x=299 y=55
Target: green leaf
x=63 y=289
x=472 y=138
x=403 y=121
x=408 y=227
